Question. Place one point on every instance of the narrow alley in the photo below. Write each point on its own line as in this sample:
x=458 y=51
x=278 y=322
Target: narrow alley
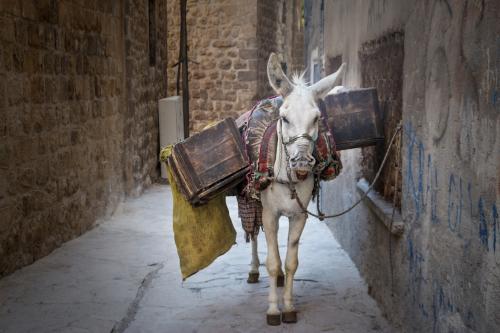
x=387 y=112
x=123 y=276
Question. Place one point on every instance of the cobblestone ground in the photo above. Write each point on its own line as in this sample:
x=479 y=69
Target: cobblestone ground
x=123 y=276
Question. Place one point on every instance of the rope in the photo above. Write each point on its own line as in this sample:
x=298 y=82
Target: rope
x=322 y=216
x=391 y=265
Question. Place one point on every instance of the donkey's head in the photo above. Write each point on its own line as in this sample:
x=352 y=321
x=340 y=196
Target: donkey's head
x=299 y=114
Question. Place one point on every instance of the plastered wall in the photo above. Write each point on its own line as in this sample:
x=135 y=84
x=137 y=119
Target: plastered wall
x=443 y=273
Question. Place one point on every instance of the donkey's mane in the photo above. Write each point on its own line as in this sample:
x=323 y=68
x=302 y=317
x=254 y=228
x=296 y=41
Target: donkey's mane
x=298 y=79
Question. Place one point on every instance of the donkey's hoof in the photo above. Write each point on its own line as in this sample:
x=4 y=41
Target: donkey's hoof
x=273 y=319
x=280 y=281
x=289 y=317
x=253 y=278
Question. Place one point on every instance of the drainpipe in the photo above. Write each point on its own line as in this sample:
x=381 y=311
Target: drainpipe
x=184 y=61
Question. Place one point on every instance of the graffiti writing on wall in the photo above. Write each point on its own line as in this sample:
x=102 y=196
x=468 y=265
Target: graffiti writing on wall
x=449 y=200
x=458 y=195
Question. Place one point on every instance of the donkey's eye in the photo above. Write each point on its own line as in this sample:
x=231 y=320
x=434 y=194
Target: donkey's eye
x=285 y=120
x=316 y=119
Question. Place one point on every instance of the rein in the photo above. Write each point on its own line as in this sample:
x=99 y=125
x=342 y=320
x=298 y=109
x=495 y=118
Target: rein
x=320 y=215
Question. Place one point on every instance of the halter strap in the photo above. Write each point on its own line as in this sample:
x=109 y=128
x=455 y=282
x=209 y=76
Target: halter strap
x=294 y=138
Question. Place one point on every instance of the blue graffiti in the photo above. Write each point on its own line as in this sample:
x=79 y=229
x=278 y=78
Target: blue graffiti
x=415 y=188
x=432 y=187
x=495 y=96
x=417 y=162
x=454 y=207
x=434 y=216
x=495 y=224
x=483 y=225
x=442 y=303
x=423 y=310
x=415 y=268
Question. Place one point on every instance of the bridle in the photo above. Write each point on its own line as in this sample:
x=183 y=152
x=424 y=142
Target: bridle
x=293 y=138
x=291 y=183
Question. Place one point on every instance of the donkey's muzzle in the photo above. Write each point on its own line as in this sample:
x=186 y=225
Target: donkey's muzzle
x=302 y=162
x=302 y=165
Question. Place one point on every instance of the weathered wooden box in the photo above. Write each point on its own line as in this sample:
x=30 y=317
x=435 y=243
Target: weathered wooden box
x=355 y=118
x=209 y=163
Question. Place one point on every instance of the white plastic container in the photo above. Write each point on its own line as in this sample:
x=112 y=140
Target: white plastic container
x=171 y=124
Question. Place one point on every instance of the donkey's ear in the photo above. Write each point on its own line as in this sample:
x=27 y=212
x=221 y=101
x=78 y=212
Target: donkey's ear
x=277 y=79
x=323 y=86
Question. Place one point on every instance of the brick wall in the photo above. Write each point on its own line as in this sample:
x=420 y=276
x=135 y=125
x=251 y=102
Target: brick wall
x=229 y=44
x=77 y=118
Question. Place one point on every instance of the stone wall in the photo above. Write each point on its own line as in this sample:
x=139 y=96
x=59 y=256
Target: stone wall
x=146 y=82
x=229 y=44
x=442 y=274
x=77 y=118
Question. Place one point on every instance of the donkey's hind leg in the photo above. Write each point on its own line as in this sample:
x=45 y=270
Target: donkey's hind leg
x=253 y=275
x=297 y=223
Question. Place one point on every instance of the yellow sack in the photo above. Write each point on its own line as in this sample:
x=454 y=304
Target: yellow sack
x=201 y=233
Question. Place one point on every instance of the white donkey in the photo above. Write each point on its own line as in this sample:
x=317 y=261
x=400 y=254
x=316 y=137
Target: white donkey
x=297 y=131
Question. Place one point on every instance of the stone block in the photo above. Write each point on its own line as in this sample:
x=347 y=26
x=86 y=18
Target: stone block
x=252 y=65
x=230 y=96
x=50 y=90
x=224 y=64
x=239 y=64
x=247 y=76
x=36 y=35
x=37 y=90
x=4 y=155
x=248 y=53
x=229 y=76
x=214 y=75
x=14 y=91
x=6 y=54
x=7 y=29
x=11 y=7
x=225 y=43
x=26 y=177
x=198 y=75
x=29 y=10
x=232 y=53
x=33 y=61
x=18 y=58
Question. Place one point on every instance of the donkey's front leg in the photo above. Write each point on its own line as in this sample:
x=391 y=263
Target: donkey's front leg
x=297 y=223
x=273 y=264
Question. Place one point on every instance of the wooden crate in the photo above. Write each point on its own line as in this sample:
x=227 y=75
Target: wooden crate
x=209 y=163
x=355 y=118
